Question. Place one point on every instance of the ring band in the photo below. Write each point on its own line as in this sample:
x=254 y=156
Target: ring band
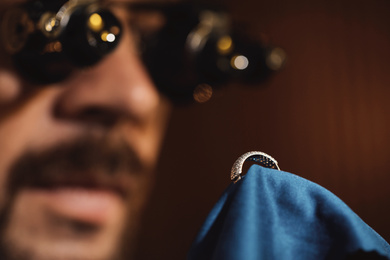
x=261 y=158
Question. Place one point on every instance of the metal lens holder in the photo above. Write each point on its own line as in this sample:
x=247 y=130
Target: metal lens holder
x=197 y=47
x=48 y=39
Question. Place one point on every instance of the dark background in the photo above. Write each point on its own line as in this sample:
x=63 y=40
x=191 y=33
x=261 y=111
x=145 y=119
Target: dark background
x=324 y=117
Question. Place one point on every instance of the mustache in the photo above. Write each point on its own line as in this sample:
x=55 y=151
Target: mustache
x=86 y=162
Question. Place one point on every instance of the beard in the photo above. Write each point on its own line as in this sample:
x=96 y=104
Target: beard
x=90 y=163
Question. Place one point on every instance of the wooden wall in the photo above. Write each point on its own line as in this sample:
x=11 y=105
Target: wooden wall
x=325 y=117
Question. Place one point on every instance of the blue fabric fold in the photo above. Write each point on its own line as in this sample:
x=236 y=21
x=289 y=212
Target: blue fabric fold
x=271 y=214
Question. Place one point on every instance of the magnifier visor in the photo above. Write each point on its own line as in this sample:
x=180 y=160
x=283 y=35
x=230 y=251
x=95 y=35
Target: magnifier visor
x=183 y=45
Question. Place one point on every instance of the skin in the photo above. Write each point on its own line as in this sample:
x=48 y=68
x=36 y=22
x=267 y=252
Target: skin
x=80 y=216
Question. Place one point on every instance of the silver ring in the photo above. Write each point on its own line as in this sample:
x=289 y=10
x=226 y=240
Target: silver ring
x=261 y=158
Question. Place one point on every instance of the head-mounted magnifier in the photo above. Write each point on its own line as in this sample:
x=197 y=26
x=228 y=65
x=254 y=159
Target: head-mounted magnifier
x=195 y=45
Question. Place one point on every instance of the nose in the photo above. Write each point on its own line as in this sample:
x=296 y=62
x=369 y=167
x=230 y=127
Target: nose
x=117 y=87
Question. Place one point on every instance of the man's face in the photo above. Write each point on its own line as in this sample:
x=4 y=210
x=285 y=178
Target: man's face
x=76 y=157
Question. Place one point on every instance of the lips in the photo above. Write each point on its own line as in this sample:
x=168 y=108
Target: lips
x=83 y=180
x=91 y=206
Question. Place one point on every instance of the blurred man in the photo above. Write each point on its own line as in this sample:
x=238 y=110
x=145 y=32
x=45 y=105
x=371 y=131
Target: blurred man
x=81 y=123
x=77 y=155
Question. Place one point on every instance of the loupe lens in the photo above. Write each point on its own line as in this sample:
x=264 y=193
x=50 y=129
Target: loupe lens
x=90 y=35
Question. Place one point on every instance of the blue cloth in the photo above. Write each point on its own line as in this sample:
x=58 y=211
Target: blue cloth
x=271 y=214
